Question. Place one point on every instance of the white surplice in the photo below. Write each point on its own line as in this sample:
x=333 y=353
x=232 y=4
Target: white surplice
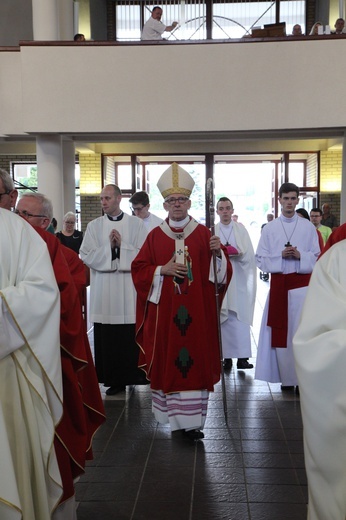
x=320 y=353
x=30 y=373
x=276 y=365
x=239 y=303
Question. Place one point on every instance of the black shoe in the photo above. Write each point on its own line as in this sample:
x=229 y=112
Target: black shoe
x=287 y=388
x=227 y=363
x=112 y=390
x=243 y=364
x=297 y=390
x=193 y=435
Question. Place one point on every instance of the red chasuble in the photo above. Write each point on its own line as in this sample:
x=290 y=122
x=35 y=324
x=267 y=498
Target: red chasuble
x=337 y=235
x=178 y=337
x=82 y=402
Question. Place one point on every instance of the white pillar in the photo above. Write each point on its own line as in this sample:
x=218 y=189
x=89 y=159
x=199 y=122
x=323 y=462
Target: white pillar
x=66 y=17
x=68 y=158
x=45 y=20
x=49 y=172
x=343 y=184
x=75 y=18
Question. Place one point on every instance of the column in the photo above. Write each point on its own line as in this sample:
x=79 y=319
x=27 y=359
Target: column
x=66 y=19
x=50 y=172
x=68 y=159
x=45 y=20
x=343 y=184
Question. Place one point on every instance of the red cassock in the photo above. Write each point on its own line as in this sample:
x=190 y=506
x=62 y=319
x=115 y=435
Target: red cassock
x=338 y=234
x=82 y=403
x=178 y=337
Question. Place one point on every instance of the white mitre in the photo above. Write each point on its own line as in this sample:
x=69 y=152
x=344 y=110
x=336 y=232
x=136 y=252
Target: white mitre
x=175 y=180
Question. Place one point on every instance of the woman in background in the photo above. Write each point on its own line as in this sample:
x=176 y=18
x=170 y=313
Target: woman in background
x=69 y=236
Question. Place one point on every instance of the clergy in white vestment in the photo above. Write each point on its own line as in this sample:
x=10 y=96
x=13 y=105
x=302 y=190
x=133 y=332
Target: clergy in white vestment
x=288 y=248
x=30 y=374
x=140 y=206
x=239 y=303
x=109 y=246
x=319 y=347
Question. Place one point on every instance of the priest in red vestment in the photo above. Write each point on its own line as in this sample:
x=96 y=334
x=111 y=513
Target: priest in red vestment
x=176 y=319
x=83 y=410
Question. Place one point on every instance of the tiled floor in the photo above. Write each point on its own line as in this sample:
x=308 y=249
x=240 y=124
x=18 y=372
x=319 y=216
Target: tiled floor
x=251 y=470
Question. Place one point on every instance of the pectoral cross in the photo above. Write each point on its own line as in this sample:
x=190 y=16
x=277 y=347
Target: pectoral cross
x=288 y=244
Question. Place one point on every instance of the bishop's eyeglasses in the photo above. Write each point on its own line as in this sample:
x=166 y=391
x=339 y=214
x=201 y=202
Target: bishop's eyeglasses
x=181 y=200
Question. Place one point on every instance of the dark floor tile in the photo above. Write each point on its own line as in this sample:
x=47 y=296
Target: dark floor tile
x=296 y=446
x=219 y=511
x=278 y=511
x=271 y=476
x=228 y=460
x=111 y=492
x=168 y=473
x=294 y=434
x=267 y=446
x=220 y=492
x=109 y=474
x=164 y=489
x=101 y=510
x=298 y=460
x=221 y=446
x=275 y=493
x=267 y=460
x=260 y=422
x=223 y=475
x=275 y=434
x=162 y=510
x=124 y=456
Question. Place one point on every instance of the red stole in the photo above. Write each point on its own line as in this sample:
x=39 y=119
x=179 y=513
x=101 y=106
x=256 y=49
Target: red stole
x=280 y=284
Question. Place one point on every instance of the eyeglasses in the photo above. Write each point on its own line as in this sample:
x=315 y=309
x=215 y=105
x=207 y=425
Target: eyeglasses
x=5 y=193
x=137 y=209
x=69 y=222
x=172 y=201
x=25 y=214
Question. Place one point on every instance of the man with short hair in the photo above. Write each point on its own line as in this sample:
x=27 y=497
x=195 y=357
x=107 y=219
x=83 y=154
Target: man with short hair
x=239 y=303
x=316 y=217
x=288 y=249
x=154 y=28
x=328 y=219
x=140 y=208
x=110 y=244
x=8 y=193
x=339 y=26
x=176 y=322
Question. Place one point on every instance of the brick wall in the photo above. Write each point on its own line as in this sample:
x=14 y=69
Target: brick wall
x=90 y=187
x=7 y=160
x=90 y=209
x=331 y=165
x=330 y=180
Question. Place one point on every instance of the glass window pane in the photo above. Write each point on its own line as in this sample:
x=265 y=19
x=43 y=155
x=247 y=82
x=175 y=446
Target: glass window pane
x=124 y=176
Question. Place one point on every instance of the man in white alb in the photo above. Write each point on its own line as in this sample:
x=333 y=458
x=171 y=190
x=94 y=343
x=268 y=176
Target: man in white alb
x=154 y=28
x=140 y=208
x=288 y=249
x=109 y=246
x=239 y=303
